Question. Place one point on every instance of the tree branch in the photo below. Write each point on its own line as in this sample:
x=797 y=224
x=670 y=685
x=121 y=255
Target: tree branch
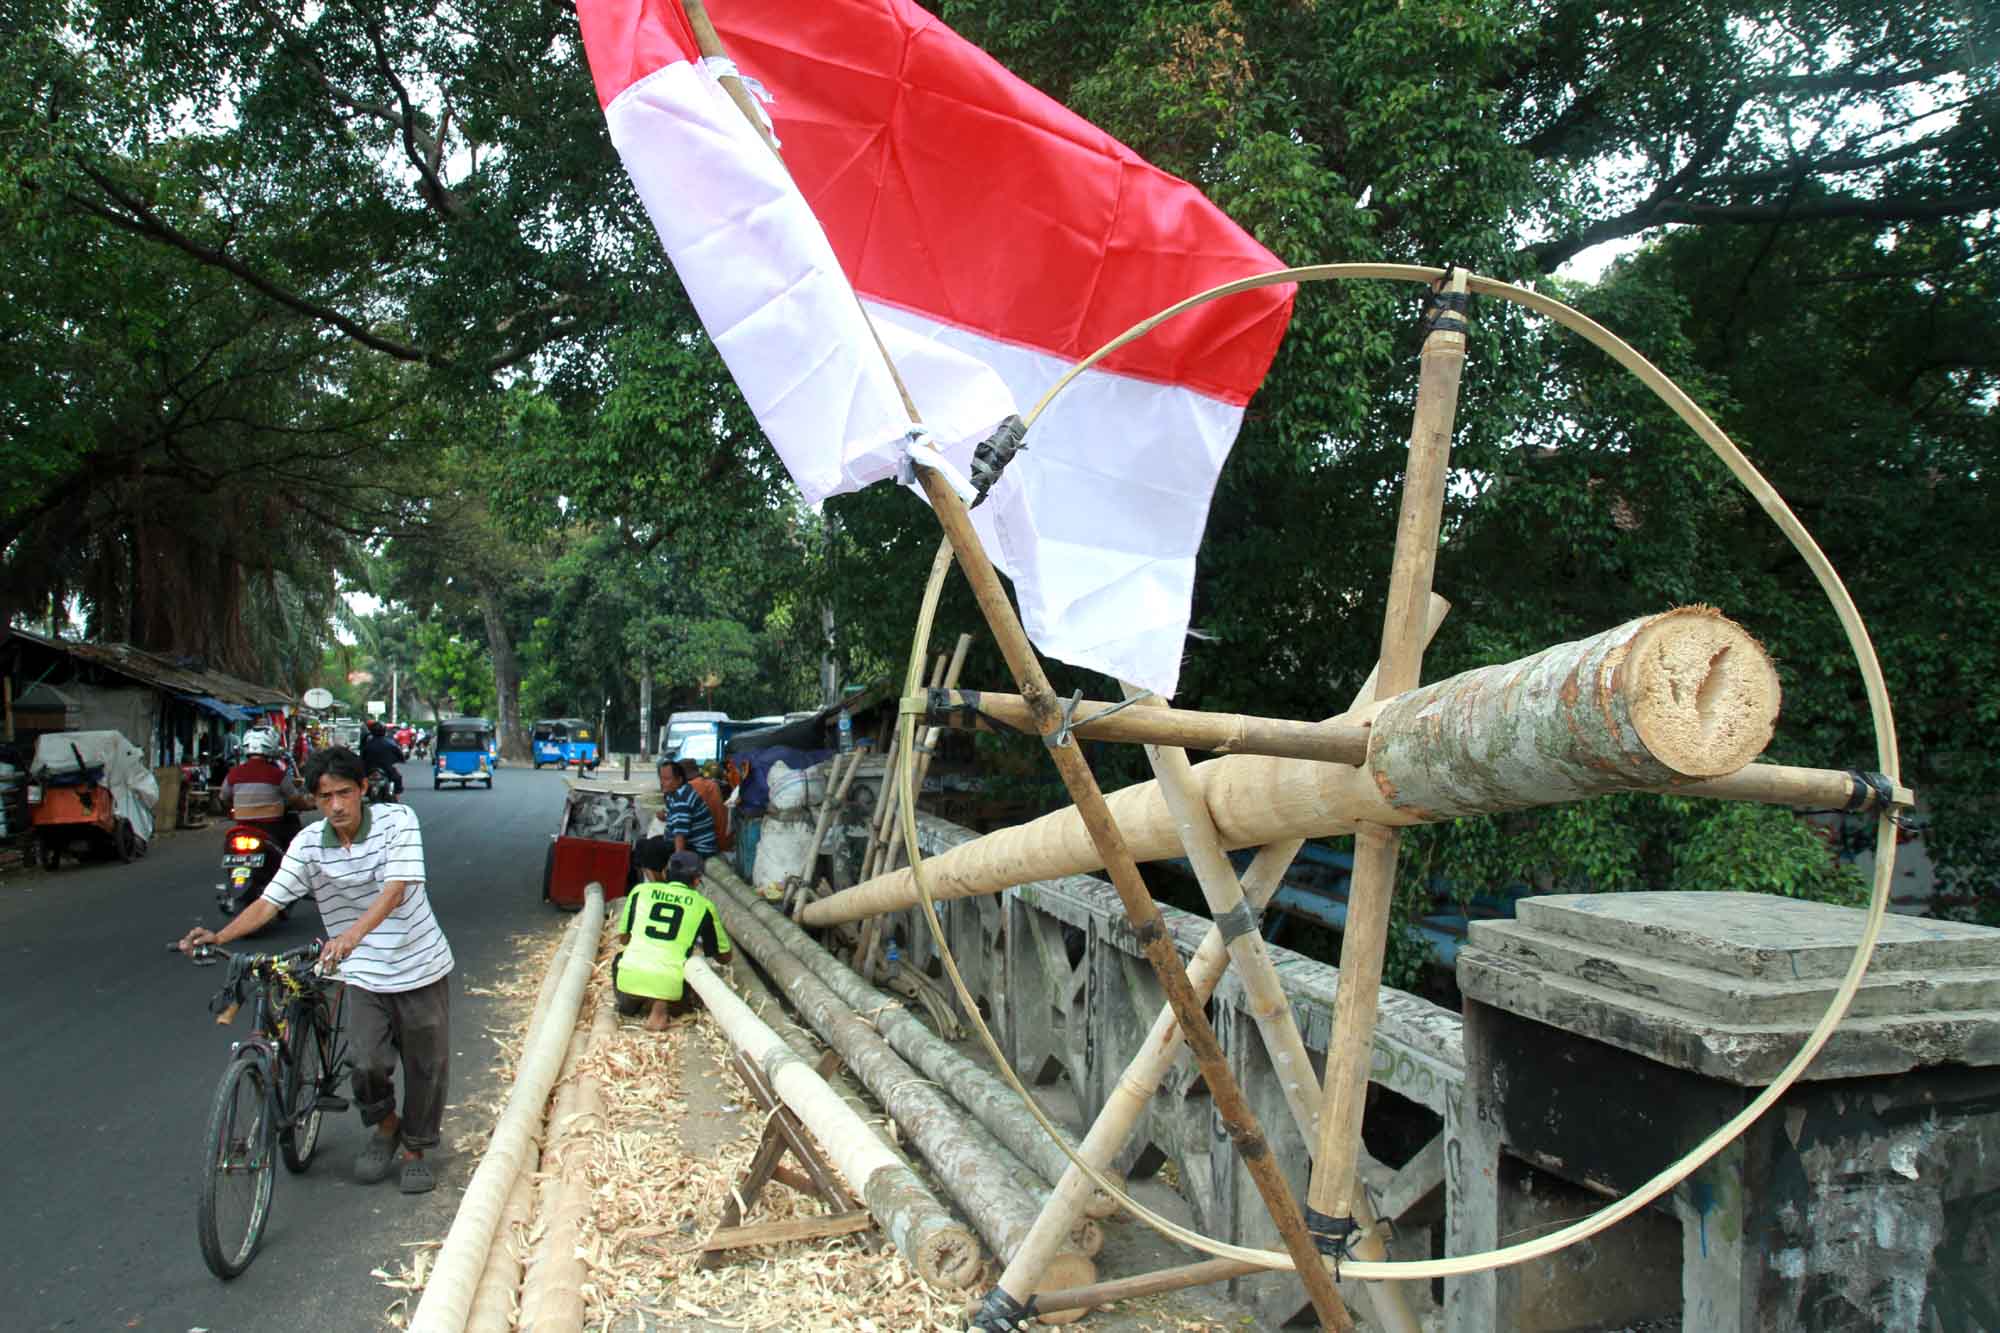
x=143 y=221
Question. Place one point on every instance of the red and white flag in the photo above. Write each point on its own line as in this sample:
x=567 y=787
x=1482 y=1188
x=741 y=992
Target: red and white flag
x=995 y=239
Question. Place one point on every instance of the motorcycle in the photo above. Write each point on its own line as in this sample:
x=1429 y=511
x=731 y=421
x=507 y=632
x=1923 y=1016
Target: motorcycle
x=251 y=854
x=381 y=788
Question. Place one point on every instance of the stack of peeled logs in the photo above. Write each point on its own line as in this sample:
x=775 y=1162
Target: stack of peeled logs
x=985 y=1151
x=477 y=1276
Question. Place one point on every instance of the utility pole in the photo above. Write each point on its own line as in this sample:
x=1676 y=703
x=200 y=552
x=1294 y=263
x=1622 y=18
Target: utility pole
x=395 y=683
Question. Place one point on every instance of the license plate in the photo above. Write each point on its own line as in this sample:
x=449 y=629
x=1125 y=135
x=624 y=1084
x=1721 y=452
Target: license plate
x=244 y=859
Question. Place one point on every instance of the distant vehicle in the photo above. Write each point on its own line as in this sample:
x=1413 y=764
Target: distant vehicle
x=693 y=735
x=461 y=753
x=564 y=741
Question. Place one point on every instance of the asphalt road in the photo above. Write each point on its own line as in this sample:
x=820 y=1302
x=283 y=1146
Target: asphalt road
x=110 y=1056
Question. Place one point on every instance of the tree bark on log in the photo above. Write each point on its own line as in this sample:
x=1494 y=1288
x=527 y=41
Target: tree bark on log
x=991 y=1102
x=974 y=1168
x=1256 y=800
x=943 y=1253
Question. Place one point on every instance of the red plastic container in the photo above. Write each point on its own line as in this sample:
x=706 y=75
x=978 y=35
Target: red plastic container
x=574 y=863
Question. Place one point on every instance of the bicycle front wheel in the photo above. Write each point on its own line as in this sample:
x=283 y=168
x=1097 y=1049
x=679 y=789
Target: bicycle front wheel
x=305 y=1071
x=236 y=1169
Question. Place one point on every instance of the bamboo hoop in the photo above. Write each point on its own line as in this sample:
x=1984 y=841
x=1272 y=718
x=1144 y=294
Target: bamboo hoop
x=1881 y=717
x=447 y=1298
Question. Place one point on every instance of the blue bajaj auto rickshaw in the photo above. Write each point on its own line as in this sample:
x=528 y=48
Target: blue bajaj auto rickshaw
x=581 y=747
x=550 y=742
x=461 y=752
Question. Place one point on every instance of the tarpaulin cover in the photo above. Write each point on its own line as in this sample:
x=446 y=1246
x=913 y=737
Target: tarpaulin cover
x=134 y=789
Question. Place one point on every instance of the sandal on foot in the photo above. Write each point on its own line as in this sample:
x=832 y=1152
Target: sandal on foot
x=376 y=1161
x=417 y=1176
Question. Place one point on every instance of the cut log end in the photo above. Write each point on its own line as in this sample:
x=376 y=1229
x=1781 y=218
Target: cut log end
x=1065 y=1271
x=1087 y=1238
x=1703 y=693
x=1100 y=1204
x=949 y=1259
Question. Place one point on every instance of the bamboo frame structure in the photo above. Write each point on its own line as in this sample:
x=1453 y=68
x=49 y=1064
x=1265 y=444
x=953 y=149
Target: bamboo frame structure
x=1333 y=1180
x=1590 y=746
x=1130 y=1096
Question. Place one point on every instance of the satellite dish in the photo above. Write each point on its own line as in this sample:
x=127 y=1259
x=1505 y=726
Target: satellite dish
x=319 y=698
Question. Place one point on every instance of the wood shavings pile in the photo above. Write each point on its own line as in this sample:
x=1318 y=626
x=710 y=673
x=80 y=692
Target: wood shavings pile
x=656 y=1197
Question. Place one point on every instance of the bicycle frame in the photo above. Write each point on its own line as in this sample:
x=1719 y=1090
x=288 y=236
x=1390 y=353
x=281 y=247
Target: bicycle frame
x=269 y=1026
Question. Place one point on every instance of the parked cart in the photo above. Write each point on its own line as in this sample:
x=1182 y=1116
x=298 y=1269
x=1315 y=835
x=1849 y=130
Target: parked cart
x=90 y=792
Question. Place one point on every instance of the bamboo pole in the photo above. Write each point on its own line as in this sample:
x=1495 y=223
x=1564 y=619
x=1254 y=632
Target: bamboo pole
x=1162 y=1045
x=499 y=1290
x=927 y=752
x=1330 y=1207
x=448 y=1295
x=1586 y=731
x=892 y=852
x=1237 y=1119
x=991 y=1102
x=883 y=833
x=1270 y=1008
x=838 y=780
x=552 y=1288
x=1340 y=741
x=972 y=1166
x=945 y=1257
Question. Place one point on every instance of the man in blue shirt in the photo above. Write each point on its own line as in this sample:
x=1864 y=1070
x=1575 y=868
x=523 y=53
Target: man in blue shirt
x=690 y=826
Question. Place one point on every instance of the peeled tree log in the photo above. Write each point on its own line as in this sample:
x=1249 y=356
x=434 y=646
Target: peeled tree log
x=943 y=1253
x=991 y=1102
x=1689 y=682
x=1684 y=695
x=971 y=1165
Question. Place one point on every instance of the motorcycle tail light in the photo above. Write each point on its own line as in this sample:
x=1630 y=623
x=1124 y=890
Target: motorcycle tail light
x=243 y=842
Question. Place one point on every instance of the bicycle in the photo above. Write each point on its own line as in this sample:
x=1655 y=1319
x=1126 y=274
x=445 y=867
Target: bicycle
x=276 y=1091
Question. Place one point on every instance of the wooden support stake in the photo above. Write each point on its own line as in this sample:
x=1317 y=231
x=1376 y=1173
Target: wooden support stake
x=783 y=1132
x=884 y=840
x=1400 y=664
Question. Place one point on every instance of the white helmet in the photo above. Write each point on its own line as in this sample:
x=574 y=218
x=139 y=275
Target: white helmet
x=263 y=741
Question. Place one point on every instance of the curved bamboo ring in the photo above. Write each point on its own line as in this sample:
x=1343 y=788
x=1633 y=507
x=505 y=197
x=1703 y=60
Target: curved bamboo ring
x=1769 y=501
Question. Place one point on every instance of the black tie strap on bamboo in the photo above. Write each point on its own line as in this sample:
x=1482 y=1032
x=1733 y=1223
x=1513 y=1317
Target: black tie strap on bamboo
x=1445 y=309
x=1001 y=1313
x=1871 y=790
x=1333 y=1237
x=1237 y=921
x=947 y=707
x=993 y=455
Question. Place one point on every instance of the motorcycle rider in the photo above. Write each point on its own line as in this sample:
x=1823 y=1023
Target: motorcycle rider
x=261 y=790
x=379 y=753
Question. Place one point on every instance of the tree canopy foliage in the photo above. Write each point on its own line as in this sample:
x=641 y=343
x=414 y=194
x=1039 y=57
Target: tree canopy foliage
x=287 y=290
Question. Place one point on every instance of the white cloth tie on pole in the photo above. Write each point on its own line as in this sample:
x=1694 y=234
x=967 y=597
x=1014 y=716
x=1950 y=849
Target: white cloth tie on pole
x=722 y=67
x=917 y=447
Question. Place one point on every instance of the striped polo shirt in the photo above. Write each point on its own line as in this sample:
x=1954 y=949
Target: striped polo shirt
x=408 y=949
x=688 y=817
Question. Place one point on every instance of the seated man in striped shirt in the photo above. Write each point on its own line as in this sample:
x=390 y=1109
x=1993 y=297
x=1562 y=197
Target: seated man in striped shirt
x=364 y=866
x=690 y=826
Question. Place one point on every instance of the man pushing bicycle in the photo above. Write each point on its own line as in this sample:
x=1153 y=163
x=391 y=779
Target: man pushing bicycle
x=364 y=867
